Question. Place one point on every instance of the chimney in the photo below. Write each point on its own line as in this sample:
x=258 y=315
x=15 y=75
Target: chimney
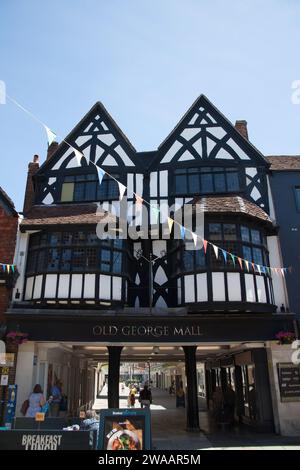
x=29 y=192
x=241 y=126
x=51 y=149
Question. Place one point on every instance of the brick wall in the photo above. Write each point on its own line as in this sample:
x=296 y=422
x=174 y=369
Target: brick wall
x=8 y=231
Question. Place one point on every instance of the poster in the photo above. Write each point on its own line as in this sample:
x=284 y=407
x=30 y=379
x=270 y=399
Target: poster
x=10 y=405
x=124 y=430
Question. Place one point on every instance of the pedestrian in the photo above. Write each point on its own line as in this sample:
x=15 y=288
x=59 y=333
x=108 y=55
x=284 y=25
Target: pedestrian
x=145 y=397
x=180 y=396
x=36 y=402
x=57 y=396
x=131 y=399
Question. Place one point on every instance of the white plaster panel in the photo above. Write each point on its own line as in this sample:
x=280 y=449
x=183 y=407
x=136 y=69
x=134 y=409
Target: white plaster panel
x=202 y=294
x=234 y=287
x=261 y=290
x=104 y=287
x=189 y=288
x=29 y=287
x=63 y=286
x=250 y=292
x=38 y=287
x=218 y=286
x=50 y=286
x=153 y=184
x=117 y=288
x=76 y=286
x=89 y=286
x=163 y=183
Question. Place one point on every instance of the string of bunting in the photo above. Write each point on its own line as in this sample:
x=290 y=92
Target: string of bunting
x=7 y=267
x=227 y=256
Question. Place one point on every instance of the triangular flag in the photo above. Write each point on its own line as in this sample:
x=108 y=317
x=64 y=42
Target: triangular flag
x=216 y=250
x=240 y=262
x=195 y=238
x=101 y=174
x=78 y=156
x=139 y=199
x=225 y=255
x=259 y=268
x=233 y=258
x=182 y=231
x=205 y=245
x=13 y=268
x=282 y=271
x=253 y=266
x=8 y=268
x=170 y=223
x=122 y=189
x=51 y=136
x=247 y=264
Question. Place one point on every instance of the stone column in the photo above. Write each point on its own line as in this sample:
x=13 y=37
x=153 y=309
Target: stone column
x=114 y=358
x=192 y=409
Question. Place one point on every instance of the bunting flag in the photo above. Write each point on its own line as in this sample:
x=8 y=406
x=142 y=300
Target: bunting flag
x=247 y=264
x=240 y=262
x=224 y=255
x=282 y=272
x=195 y=238
x=8 y=267
x=216 y=250
x=122 y=190
x=253 y=266
x=182 y=231
x=101 y=174
x=51 y=136
x=78 y=155
x=139 y=199
x=170 y=223
x=259 y=269
x=233 y=258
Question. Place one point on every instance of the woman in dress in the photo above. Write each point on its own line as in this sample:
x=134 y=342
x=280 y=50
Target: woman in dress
x=36 y=402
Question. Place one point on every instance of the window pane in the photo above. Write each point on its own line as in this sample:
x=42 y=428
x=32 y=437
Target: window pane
x=297 y=195
x=78 y=238
x=31 y=263
x=219 y=183
x=118 y=243
x=215 y=231
x=188 y=261
x=229 y=232
x=91 y=258
x=67 y=192
x=245 y=234
x=117 y=262
x=257 y=256
x=79 y=191
x=78 y=263
x=199 y=258
x=193 y=183
x=206 y=183
x=105 y=260
x=41 y=261
x=92 y=238
x=67 y=238
x=232 y=182
x=255 y=236
x=53 y=259
x=247 y=254
x=55 y=238
x=66 y=260
x=181 y=184
x=90 y=191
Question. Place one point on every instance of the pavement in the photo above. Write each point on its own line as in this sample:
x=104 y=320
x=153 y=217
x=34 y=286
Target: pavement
x=168 y=428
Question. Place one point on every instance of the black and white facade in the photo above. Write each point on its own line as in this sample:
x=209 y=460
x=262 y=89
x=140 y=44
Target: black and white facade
x=70 y=282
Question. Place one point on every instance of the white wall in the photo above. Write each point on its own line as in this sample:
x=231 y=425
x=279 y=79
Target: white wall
x=279 y=286
x=24 y=373
x=286 y=414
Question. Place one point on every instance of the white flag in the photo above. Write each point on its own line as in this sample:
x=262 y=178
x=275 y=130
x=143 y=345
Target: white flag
x=51 y=136
x=216 y=250
x=78 y=156
x=122 y=190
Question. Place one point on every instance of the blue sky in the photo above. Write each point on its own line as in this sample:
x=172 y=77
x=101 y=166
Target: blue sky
x=147 y=61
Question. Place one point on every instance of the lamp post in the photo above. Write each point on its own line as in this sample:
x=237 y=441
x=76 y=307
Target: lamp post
x=149 y=372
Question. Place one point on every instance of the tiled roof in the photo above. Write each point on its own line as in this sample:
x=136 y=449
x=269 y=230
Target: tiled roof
x=231 y=205
x=284 y=162
x=7 y=199
x=64 y=214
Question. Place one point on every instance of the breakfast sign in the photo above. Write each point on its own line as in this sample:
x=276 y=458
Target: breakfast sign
x=124 y=429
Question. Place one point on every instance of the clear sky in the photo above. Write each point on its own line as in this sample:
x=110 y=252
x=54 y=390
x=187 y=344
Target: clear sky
x=147 y=61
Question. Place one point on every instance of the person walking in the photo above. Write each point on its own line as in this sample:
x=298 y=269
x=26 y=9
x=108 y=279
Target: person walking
x=36 y=402
x=145 y=397
x=55 y=403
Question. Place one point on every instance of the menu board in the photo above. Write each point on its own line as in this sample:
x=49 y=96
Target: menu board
x=289 y=381
x=124 y=429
